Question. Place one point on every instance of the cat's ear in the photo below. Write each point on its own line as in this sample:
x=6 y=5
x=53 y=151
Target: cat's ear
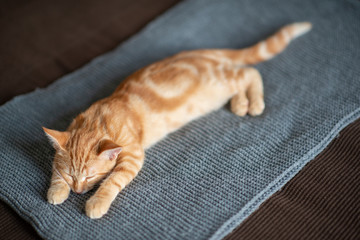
x=57 y=138
x=108 y=150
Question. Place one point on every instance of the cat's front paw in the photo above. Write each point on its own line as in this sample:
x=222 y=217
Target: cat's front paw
x=57 y=195
x=96 y=207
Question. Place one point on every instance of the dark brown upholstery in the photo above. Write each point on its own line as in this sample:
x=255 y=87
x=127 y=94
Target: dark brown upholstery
x=42 y=40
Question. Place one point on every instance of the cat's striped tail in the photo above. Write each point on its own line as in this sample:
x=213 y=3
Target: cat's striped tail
x=268 y=48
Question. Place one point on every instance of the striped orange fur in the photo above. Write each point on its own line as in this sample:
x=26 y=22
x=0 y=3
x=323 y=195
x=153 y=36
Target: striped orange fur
x=107 y=141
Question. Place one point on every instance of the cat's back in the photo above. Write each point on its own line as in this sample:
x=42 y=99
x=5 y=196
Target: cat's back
x=172 y=92
x=173 y=79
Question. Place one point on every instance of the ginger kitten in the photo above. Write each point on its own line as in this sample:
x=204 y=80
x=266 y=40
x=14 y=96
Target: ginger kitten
x=107 y=141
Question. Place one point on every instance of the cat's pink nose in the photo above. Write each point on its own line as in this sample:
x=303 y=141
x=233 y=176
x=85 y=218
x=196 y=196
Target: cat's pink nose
x=79 y=192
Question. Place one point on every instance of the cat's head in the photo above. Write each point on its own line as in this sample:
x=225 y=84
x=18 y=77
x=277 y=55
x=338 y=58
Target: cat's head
x=81 y=159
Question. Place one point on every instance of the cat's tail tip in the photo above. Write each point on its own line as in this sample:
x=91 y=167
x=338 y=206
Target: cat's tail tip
x=300 y=28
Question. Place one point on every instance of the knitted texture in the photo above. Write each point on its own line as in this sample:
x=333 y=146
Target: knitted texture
x=201 y=181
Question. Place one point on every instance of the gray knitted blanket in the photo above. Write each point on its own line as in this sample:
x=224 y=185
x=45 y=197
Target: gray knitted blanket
x=203 y=180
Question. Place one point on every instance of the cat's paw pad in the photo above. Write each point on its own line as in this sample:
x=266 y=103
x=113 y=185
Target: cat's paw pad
x=256 y=108
x=57 y=195
x=96 y=207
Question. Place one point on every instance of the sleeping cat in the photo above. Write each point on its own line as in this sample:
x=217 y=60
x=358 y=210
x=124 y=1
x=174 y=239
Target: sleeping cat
x=107 y=141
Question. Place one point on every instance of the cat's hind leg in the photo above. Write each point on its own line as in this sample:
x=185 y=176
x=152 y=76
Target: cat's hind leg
x=250 y=94
x=255 y=92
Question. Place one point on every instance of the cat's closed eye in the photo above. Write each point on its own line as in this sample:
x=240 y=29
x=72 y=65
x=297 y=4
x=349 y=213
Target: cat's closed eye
x=90 y=177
